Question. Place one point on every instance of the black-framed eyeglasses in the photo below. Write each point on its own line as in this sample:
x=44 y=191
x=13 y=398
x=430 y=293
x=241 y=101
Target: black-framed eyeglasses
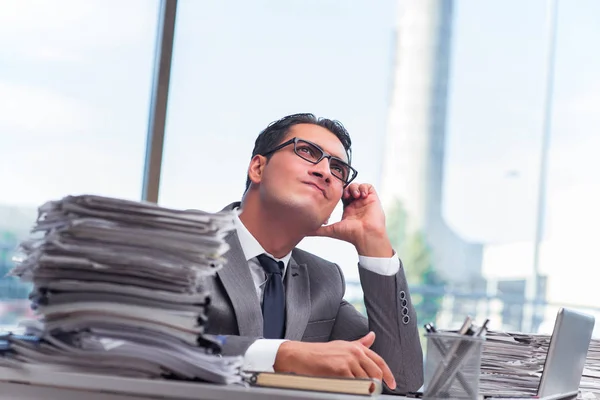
x=314 y=154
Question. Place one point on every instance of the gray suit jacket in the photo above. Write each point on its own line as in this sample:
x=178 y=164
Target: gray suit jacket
x=316 y=311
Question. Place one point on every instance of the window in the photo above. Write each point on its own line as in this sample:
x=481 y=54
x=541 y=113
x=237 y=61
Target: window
x=75 y=83
x=444 y=102
x=239 y=65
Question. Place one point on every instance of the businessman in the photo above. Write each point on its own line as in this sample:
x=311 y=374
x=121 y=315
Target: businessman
x=282 y=307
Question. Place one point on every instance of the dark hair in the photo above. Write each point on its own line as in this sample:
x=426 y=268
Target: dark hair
x=274 y=134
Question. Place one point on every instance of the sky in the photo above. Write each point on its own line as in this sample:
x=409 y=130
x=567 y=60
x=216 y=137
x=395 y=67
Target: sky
x=75 y=80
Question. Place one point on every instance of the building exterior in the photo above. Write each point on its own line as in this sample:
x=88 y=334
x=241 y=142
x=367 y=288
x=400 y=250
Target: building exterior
x=15 y=224
x=413 y=170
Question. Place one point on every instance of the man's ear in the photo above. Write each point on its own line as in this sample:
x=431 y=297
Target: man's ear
x=256 y=168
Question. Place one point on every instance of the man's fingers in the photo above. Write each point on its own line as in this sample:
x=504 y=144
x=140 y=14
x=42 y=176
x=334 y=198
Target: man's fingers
x=371 y=368
x=357 y=191
x=358 y=371
x=327 y=231
x=353 y=190
x=321 y=231
x=365 y=189
x=368 y=339
x=388 y=377
x=346 y=195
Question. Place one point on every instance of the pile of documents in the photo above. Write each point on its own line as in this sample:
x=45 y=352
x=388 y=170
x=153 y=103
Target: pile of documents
x=118 y=288
x=512 y=365
x=590 y=379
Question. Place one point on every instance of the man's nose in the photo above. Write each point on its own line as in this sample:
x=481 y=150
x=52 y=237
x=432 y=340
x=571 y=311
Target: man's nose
x=322 y=169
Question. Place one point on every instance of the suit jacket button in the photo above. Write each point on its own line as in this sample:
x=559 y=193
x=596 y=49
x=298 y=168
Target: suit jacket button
x=405 y=320
x=404 y=302
x=404 y=311
x=402 y=294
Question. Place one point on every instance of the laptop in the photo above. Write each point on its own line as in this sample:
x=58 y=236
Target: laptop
x=566 y=356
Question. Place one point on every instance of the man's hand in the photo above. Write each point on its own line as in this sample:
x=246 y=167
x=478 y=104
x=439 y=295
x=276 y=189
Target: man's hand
x=334 y=359
x=362 y=223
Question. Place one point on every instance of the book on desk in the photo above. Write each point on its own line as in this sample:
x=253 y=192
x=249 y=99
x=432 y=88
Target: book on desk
x=359 y=386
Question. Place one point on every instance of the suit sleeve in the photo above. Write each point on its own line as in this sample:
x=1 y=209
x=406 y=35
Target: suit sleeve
x=392 y=317
x=236 y=345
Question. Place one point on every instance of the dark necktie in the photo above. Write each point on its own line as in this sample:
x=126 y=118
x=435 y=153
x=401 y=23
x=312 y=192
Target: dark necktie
x=273 y=307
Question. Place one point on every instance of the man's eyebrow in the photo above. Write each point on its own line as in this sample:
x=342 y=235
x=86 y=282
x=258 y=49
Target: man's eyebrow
x=343 y=157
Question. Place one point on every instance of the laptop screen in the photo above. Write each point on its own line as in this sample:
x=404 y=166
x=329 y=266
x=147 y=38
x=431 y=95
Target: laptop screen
x=567 y=353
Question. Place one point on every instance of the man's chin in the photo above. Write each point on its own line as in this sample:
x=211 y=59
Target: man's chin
x=305 y=210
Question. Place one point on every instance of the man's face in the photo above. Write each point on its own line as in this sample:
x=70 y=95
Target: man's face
x=309 y=189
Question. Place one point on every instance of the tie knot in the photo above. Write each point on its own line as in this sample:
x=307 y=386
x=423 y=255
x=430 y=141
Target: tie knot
x=270 y=265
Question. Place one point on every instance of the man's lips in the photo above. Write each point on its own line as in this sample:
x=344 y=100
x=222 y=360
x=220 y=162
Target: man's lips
x=318 y=187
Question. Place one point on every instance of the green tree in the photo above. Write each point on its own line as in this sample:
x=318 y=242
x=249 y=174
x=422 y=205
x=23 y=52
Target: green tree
x=10 y=287
x=416 y=255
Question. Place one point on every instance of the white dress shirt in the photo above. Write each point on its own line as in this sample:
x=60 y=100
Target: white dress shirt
x=261 y=355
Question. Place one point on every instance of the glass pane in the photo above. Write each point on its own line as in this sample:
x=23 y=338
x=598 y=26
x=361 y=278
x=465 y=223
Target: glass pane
x=573 y=193
x=239 y=65
x=493 y=152
x=444 y=103
x=75 y=85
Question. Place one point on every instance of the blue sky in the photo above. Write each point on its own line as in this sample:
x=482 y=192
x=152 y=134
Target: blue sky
x=75 y=82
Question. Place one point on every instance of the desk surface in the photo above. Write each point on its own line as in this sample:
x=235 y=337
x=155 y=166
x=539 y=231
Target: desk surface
x=40 y=383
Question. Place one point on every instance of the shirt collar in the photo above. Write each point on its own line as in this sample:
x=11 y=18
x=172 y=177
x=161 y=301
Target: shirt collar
x=250 y=245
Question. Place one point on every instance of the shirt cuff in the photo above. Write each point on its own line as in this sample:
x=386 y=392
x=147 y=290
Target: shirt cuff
x=261 y=355
x=382 y=266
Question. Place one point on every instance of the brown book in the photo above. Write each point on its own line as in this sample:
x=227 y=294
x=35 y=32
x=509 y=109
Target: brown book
x=367 y=387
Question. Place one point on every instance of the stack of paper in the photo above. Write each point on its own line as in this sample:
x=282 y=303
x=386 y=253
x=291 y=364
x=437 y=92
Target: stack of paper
x=118 y=288
x=512 y=365
x=590 y=380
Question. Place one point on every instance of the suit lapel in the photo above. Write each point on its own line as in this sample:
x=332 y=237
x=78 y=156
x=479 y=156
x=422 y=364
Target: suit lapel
x=240 y=289
x=297 y=304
